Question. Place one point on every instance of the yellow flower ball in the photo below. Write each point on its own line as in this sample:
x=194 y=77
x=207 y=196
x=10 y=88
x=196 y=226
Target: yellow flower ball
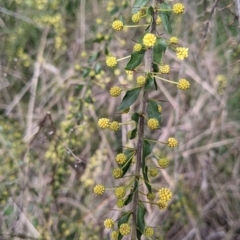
x=114 y=126
x=99 y=189
x=115 y=91
x=153 y=172
x=163 y=162
x=150 y=196
x=149 y=40
x=141 y=80
x=153 y=123
x=181 y=53
x=148 y=232
x=162 y=204
x=117 y=173
x=120 y=203
x=117 y=25
x=121 y=158
x=137 y=47
x=172 y=142
x=165 y=194
x=165 y=69
x=120 y=192
x=108 y=223
x=178 y=8
x=183 y=84
x=136 y=17
x=173 y=40
x=111 y=61
x=125 y=229
x=103 y=122
x=114 y=235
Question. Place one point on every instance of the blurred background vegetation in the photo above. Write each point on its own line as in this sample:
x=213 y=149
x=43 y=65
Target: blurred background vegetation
x=53 y=88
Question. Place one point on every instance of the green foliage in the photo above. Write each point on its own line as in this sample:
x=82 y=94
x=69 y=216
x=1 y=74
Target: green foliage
x=135 y=60
x=165 y=16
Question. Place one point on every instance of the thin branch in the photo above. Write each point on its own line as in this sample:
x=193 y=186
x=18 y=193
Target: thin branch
x=143 y=105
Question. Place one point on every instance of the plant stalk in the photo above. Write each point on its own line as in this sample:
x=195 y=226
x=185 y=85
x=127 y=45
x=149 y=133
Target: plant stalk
x=148 y=58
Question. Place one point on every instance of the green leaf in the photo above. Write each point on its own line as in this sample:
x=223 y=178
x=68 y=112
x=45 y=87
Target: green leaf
x=129 y=98
x=139 y=4
x=8 y=211
x=94 y=57
x=149 y=82
x=129 y=198
x=150 y=13
x=129 y=154
x=155 y=84
x=152 y=110
x=158 y=50
x=141 y=211
x=139 y=234
x=146 y=180
x=147 y=149
x=135 y=60
x=165 y=16
x=133 y=133
x=155 y=67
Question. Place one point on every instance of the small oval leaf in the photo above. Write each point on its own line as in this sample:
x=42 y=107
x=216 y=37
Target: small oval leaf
x=129 y=98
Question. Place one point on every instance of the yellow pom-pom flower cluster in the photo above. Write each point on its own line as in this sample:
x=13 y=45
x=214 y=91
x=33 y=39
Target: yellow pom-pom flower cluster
x=159 y=20
x=103 y=122
x=153 y=172
x=115 y=91
x=178 y=8
x=163 y=162
x=172 y=142
x=181 y=53
x=125 y=229
x=150 y=196
x=108 y=223
x=141 y=80
x=99 y=189
x=114 y=126
x=121 y=158
x=165 y=68
x=165 y=194
x=111 y=61
x=117 y=173
x=173 y=40
x=114 y=235
x=148 y=232
x=149 y=40
x=117 y=25
x=159 y=108
x=136 y=17
x=120 y=203
x=153 y=123
x=120 y=192
x=137 y=47
x=183 y=84
x=162 y=204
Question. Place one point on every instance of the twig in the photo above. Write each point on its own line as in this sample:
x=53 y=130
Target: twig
x=143 y=104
